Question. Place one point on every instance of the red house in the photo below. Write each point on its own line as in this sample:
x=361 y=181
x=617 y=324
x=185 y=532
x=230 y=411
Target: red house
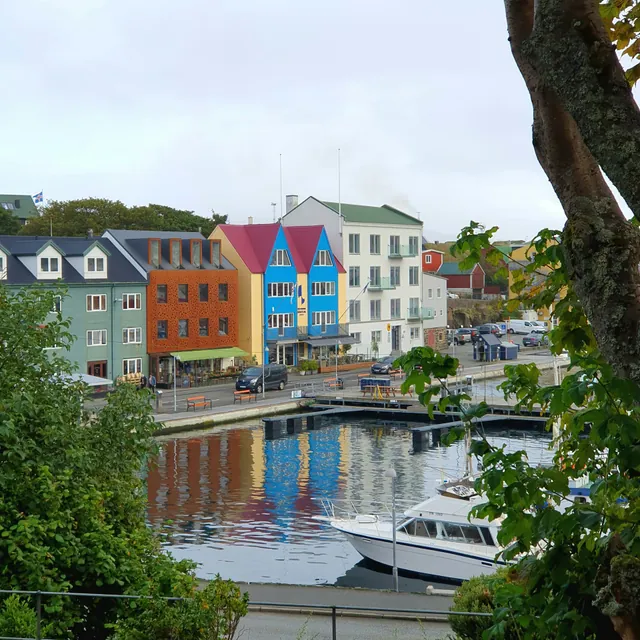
x=463 y=281
x=432 y=260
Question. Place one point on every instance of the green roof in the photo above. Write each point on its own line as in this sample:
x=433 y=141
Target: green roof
x=374 y=215
x=453 y=269
x=209 y=354
x=21 y=207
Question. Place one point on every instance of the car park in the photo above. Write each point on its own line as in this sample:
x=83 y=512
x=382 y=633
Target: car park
x=274 y=376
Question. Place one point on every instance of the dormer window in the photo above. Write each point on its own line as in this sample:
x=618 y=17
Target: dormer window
x=49 y=265
x=154 y=253
x=323 y=259
x=95 y=265
x=280 y=258
x=216 y=259
x=196 y=253
x=3 y=266
x=175 y=251
x=48 y=262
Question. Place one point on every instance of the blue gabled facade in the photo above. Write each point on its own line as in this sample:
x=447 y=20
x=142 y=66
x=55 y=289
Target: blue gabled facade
x=323 y=305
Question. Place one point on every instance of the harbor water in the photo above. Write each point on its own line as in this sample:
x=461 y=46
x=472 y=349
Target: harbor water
x=246 y=507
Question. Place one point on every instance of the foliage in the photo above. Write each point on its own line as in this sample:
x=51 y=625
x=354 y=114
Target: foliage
x=375 y=348
x=346 y=348
x=622 y=20
x=308 y=365
x=18 y=619
x=211 y=614
x=76 y=217
x=9 y=224
x=72 y=515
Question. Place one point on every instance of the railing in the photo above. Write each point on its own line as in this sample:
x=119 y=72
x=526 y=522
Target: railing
x=325 y=331
x=331 y=609
x=415 y=314
x=384 y=284
x=281 y=333
x=402 y=251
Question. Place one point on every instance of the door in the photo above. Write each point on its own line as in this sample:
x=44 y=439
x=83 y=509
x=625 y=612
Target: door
x=395 y=338
x=97 y=368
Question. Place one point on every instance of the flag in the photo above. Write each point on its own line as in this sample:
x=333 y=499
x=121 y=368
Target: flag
x=38 y=197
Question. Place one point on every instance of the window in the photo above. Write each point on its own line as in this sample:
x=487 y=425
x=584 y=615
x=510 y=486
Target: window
x=216 y=259
x=415 y=333
x=413 y=245
x=374 y=309
x=161 y=294
x=354 y=310
x=471 y=534
x=426 y=528
x=176 y=253
x=203 y=327
x=57 y=304
x=280 y=320
x=8 y=206
x=161 y=329
x=323 y=289
x=95 y=264
x=439 y=292
x=183 y=293
x=132 y=335
x=394 y=276
x=183 y=328
x=429 y=293
x=414 y=307
x=427 y=258
x=394 y=245
x=354 y=276
x=354 y=243
x=395 y=308
x=131 y=301
x=203 y=292
x=323 y=318
x=280 y=258
x=323 y=259
x=96 y=337
x=223 y=292
x=374 y=245
x=414 y=276
x=1 y=264
x=453 y=531
x=376 y=336
x=280 y=289
x=356 y=336
x=441 y=312
x=223 y=326
x=97 y=303
x=196 y=253
x=132 y=365
x=154 y=253
x=374 y=276
x=49 y=265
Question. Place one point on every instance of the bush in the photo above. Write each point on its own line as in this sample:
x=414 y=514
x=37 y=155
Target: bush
x=308 y=365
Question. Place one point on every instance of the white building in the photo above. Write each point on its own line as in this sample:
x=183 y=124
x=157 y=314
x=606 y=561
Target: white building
x=380 y=249
x=434 y=303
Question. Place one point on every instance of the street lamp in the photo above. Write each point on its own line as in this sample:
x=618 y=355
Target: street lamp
x=391 y=473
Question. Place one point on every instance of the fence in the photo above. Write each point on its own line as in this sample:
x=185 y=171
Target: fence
x=332 y=610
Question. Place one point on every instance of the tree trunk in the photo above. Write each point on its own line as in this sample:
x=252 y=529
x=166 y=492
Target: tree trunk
x=583 y=115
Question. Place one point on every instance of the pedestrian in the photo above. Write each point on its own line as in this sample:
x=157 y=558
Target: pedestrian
x=143 y=381
x=481 y=351
x=152 y=383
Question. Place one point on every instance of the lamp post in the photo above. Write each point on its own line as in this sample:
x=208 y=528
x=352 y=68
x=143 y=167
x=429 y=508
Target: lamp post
x=175 y=394
x=391 y=473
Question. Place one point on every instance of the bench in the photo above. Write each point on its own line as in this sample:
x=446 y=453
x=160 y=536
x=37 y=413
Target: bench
x=241 y=396
x=395 y=372
x=198 y=401
x=373 y=390
x=333 y=383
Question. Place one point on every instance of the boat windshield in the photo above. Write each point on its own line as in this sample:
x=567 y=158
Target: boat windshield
x=466 y=533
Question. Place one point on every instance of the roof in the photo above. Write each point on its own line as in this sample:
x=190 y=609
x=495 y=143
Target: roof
x=137 y=244
x=447 y=509
x=25 y=209
x=373 y=215
x=303 y=242
x=118 y=269
x=433 y=251
x=453 y=269
x=253 y=242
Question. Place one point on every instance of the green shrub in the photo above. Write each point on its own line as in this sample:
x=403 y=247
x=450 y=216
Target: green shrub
x=308 y=365
x=18 y=619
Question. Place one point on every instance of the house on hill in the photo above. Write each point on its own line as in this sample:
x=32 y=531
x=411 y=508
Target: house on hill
x=461 y=281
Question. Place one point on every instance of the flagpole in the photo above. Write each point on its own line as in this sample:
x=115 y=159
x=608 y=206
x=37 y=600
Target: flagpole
x=281 y=191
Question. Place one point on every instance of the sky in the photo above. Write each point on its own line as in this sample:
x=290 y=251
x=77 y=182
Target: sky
x=192 y=104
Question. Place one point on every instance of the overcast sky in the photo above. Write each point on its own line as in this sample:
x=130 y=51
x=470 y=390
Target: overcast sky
x=191 y=103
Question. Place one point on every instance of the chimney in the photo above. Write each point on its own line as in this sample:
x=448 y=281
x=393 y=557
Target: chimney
x=292 y=202
x=250 y=219
x=89 y=233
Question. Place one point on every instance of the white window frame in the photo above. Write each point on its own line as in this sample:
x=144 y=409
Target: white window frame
x=323 y=288
x=430 y=293
x=439 y=292
x=414 y=303
x=374 y=244
x=280 y=289
x=354 y=244
x=323 y=259
x=376 y=336
x=394 y=241
x=414 y=240
x=375 y=304
x=354 y=276
x=280 y=258
x=394 y=276
x=57 y=304
x=47 y=261
x=357 y=336
x=132 y=335
x=427 y=258
x=354 y=310
x=377 y=281
x=319 y=318
x=415 y=333
x=102 y=302
x=395 y=305
x=3 y=272
x=414 y=276
x=96 y=337
x=126 y=366
x=137 y=301
x=95 y=263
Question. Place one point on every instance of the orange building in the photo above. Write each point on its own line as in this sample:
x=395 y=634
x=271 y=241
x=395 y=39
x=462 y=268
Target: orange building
x=191 y=304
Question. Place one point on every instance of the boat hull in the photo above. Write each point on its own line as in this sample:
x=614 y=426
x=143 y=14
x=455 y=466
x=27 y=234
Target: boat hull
x=440 y=563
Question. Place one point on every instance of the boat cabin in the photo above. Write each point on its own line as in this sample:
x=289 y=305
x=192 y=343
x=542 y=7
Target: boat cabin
x=454 y=532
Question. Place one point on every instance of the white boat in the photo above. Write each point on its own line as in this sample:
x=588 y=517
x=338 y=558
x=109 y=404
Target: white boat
x=435 y=538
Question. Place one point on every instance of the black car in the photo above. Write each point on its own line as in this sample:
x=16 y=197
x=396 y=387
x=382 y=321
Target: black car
x=383 y=366
x=490 y=327
x=275 y=375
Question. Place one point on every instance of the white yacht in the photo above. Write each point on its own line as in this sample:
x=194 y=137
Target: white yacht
x=435 y=537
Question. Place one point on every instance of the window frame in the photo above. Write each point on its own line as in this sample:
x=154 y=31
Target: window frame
x=186 y=299
x=223 y=286
x=223 y=320
x=354 y=305
x=137 y=335
x=90 y=340
x=323 y=258
x=354 y=276
x=89 y=305
x=414 y=274
x=375 y=304
x=166 y=329
x=200 y=327
x=374 y=243
x=166 y=294
x=137 y=366
x=137 y=301
x=280 y=258
x=354 y=244
x=185 y=325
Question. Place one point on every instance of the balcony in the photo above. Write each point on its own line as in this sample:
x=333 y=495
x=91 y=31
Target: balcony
x=402 y=251
x=417 y=314
x=281 y=333
x=384 y=284
x=325 y=331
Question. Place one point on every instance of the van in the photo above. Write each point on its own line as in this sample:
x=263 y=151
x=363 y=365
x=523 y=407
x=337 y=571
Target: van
x=524 y=326
x=276 y=376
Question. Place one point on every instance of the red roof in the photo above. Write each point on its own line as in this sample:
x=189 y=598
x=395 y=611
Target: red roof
x=303 y=242
x=253 y=242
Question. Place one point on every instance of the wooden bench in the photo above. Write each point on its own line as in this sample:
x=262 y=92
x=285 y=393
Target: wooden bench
x=198 y=401
x=333 y=383
x=395 y=372
x=373 y=389
x=241 y=396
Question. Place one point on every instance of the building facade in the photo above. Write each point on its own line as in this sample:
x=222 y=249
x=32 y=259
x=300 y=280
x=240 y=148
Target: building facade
x=292 y=290
x=380 y=248
x=104 y=301
x=20 y=206
x=434 y=322
x=192 y=303
x=461 y=281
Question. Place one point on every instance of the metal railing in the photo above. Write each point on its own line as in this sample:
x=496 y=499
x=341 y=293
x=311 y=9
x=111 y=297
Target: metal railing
x=332 y=609
x=325 y=331
x=383 y=284
x=402 y=251
x=420 y=313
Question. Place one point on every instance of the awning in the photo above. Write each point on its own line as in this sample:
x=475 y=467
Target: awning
x=209 y=354
x=92 y=381
x=323 y=342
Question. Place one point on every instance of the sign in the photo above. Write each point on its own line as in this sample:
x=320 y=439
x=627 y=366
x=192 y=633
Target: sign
x=388 y=327
x=296 y=393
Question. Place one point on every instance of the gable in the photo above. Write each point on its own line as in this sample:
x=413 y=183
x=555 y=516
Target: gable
x=254 y=243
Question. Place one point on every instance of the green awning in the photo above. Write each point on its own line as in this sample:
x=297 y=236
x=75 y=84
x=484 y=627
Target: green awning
x=209 y=354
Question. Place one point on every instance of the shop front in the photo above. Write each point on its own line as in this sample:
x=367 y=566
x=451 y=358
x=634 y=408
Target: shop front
x=195 y=368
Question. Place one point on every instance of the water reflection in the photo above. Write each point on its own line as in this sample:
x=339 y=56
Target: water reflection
x=244 y=507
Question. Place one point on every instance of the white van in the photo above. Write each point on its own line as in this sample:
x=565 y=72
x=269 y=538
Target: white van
x=525 y=327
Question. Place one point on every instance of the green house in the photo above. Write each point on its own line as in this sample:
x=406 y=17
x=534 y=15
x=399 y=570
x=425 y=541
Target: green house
x=105 y=301
x=20 y=206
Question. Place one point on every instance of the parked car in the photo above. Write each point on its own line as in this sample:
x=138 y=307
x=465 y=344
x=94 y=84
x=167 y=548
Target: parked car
x=276 y=376
x=490 y=327
x=524 y=326
x=462 y=336
x=383 y=366
x=453 y=296
x=535 y=340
